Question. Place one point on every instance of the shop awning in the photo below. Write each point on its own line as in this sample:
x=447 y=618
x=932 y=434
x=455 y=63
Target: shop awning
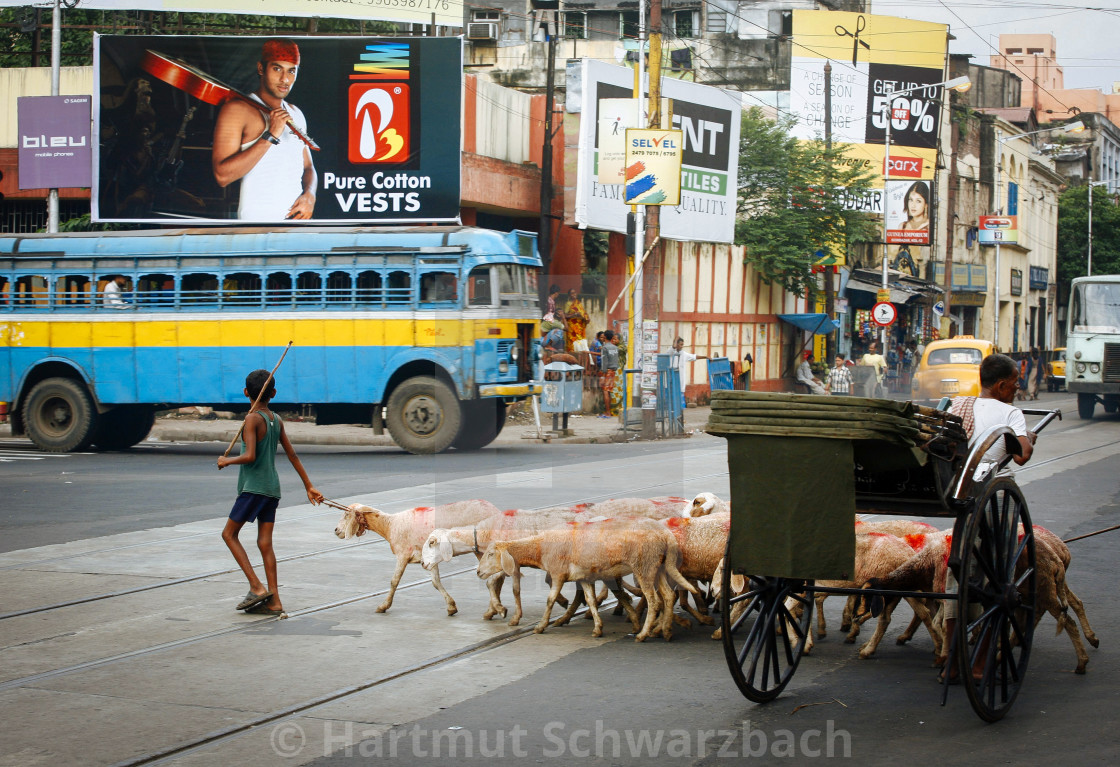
x=818 y=324
x=898 y=295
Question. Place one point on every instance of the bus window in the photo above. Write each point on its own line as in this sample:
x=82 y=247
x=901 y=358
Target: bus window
x=241 y=288
x=309 y=288
x=199 y=289
x=478 y=287
x=72 y=290
x=279 y=288
x=5 y=291
x=369 y=287
x=338 y=287
x=438 y=287
x=155 y=289
x=31 y=290
x=400 y=288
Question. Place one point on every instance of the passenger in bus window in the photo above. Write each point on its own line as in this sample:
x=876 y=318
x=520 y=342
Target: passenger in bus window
x=111 y=295
x=278 y=178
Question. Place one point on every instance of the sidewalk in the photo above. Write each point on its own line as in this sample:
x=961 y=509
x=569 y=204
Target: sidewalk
x=588 y=429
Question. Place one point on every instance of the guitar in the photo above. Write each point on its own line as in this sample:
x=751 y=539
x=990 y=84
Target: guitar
x=203 y=87
x=167 y=174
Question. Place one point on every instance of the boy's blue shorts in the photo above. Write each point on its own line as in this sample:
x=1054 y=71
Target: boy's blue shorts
x=251 y=507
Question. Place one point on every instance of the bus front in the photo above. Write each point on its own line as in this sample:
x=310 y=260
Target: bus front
x=1093 y=344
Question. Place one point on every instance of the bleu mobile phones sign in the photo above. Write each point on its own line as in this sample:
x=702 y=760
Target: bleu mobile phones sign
x=54 y=149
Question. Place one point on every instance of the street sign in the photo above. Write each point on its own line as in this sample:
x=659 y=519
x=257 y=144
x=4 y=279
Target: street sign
x=883 y=296
x=883 y=313
x=939 y=308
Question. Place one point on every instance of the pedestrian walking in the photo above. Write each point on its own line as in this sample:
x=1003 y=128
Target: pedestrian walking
x=1036 y=372
x=258 y=491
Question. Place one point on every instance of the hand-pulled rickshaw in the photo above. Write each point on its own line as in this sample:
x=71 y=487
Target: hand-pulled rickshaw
x=802 y=466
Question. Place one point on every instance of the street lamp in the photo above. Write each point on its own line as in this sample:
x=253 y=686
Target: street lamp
x=1073 y=127
x=959 y=84
x=1092 y=184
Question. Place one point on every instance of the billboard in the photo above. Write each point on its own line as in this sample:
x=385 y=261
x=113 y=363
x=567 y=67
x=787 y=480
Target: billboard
x=441 y=12
x=909 y=212
x=364 y=130
x=653 y=166
x=998 y=230
x=54 y=141
x=872 y=57
x=709 y=120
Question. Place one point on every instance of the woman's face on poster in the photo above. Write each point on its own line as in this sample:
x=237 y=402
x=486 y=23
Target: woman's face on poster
x=916 y=204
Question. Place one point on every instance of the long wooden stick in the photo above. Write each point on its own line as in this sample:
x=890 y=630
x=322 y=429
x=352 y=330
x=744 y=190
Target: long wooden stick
x=257 y=400
x=1090 y=535
x=335 y=504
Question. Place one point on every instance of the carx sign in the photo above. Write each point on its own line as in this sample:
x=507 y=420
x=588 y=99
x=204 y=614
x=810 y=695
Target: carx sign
x=998 y=230
x=653 y=166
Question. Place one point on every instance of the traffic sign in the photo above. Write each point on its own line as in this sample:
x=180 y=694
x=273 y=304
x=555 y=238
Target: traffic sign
x=883 y=295
x=939 y=308
x=884 y=314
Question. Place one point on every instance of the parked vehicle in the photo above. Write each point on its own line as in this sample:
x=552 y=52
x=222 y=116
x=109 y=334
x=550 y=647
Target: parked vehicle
x=1093 y=343
x=950 y=368
x=1056 y=379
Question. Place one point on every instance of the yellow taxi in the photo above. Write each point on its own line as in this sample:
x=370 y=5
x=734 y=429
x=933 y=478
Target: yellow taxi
x=1056 y=380
x=950 y=368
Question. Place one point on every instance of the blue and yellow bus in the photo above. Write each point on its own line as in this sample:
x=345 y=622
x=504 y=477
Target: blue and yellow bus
x=427 y=331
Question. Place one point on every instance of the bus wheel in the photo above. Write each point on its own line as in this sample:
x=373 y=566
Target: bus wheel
x=423 y=415
x=482 y=423
x=1085 y=405
x=59 y=415
x=124 y=426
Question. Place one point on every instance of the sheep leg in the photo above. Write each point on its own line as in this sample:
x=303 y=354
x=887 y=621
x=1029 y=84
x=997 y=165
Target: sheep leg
x=515 y=585
x=922 y=617
x=553 y=594
x=494 y=585
x=700 y=615
x=1079 y=608
x=402 y=563
x=908 y=634
x=872 y=644
x=624 y=604
x=452 y=608
x=590 y=598
x=577 y=601
x=667 y=595
x=846 y=616
x=1048 y=604
x=653 y=599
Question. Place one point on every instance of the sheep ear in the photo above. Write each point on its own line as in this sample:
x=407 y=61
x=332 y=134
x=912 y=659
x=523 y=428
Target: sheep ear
x=708 y=504
x=509 y=566
x=738 y=582
x=445 y=551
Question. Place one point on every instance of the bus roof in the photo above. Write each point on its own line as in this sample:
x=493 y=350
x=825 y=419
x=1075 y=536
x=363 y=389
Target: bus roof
x=517 y=246
x=1099 y=278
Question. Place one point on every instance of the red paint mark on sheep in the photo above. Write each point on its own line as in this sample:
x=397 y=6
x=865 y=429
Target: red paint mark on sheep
x=917 y=541
x=510 y=512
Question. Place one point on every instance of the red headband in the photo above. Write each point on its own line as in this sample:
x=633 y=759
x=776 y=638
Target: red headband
x=280 y=50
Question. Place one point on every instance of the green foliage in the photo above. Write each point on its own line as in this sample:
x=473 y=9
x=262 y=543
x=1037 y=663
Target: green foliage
x=1073 y=233
x=790 y=201
x=83 y=224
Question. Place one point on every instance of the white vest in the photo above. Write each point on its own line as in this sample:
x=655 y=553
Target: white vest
x=272 y=186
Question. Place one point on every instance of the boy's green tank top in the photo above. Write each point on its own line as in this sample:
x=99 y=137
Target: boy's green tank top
x=260 y=476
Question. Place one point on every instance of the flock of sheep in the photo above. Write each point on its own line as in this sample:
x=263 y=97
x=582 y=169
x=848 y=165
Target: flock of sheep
x=672 y=547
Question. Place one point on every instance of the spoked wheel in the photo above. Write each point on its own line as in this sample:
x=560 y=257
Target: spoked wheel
x=998 y=585
x=762 y=640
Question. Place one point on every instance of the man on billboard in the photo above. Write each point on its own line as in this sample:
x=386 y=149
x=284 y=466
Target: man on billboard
x=278 y=179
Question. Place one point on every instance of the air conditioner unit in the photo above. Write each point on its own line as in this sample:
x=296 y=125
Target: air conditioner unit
x=482 y=30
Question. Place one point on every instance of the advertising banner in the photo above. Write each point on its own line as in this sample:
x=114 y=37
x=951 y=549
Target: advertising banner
x=54 y=146
x=909 y=212
x=615 y=116
x=445 y=12
x=364 y=130
x=709 y=121
x=872 y=57
x=653 y=166
x=998 y=230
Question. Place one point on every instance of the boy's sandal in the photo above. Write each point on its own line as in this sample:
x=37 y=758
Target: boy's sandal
x=261 y=609
x=252 y=600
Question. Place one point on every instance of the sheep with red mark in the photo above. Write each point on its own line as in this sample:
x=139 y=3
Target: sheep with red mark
x=702 y=542
x=599 y=550
x=406 y=532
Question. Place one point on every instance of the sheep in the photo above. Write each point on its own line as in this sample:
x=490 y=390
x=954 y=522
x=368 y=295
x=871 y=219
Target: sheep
x=589 y=551
x=406 y=532
x=702 y=541
x=704 y=504
x=443 y=544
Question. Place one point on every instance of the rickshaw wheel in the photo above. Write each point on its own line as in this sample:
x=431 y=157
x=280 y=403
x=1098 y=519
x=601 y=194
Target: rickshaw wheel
x=763 y=641
x=997 y=592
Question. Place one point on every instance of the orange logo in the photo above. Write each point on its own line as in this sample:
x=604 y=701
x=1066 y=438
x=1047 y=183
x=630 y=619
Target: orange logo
x=379 y=123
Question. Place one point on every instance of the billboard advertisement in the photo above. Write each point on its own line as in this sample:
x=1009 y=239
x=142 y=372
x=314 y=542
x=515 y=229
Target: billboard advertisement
x=260 y=130
x=872 y=57
x=909 y=212
x=653 y=166
x=54 y=142
x=441 y=12
x=998 y=230
x=709 y=121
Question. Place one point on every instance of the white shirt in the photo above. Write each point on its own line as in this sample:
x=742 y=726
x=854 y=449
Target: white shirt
x=271 y=187
x=992 y=412
x=111 y=296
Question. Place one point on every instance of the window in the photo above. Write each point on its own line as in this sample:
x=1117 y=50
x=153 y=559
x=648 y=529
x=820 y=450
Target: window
x=478 y=287
x=31 y=290
x=369 y=287
x=439 y=287
x=628 y=25
x=338 y=287
x=72 y=290
x=309 y=288
x=278 y=288
x=400 y=288
x=488 y=14
x=157 y=289
x=575 y=25
x=953 y=356
x=686 y=23
x=199 y=289
x=241 y=288
x=5 y=291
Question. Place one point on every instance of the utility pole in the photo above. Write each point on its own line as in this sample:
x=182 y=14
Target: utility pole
x=651 y=272
x=950 y=227
x=544 y=238
x=56 y=88
x=829 y=292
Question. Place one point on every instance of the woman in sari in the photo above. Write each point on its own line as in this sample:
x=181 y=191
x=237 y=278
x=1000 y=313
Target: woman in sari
x=577 y=321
